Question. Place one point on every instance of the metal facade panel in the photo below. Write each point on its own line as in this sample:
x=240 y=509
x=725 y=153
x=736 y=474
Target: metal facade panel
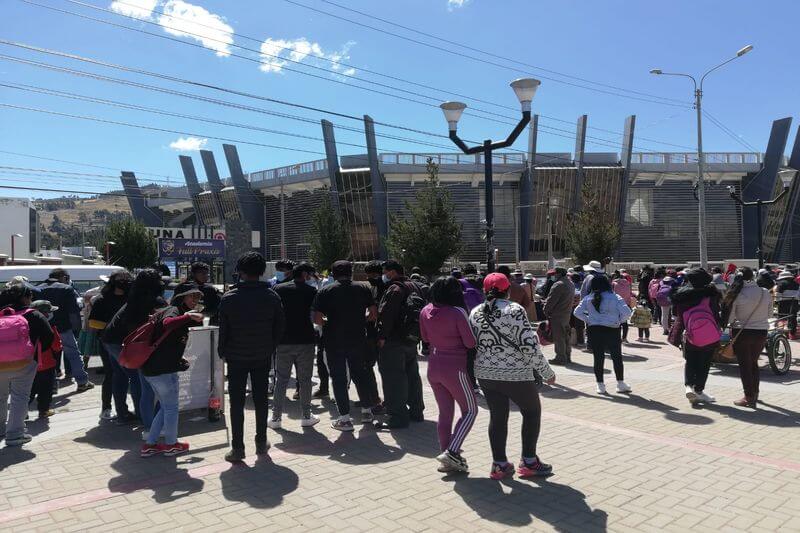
x=661 y=224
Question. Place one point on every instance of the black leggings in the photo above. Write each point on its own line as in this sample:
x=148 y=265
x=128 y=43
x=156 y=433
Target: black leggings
x=625 y=330
x=526 y=396
x=108 y=378
x=42 y=389
x=605 y=339
x=698 y=362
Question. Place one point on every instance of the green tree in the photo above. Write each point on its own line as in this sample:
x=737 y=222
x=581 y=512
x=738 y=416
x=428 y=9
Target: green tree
x=328 y=235
x=428 y=233
x=593 y=233
x=134 y=247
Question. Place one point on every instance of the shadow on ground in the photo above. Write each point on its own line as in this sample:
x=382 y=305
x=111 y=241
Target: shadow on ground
x=516 y=503
x=263 y=485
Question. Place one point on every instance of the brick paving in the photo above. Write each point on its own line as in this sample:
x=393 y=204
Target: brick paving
x=644 y=462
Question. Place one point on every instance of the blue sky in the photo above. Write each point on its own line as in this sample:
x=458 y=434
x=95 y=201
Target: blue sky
x=614 y=43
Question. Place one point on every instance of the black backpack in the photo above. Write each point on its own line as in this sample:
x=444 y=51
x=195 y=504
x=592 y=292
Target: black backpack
x=411 y=309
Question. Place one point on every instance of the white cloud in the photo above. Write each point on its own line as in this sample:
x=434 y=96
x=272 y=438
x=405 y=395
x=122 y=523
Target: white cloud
x=140 y=9
x=188 y=144
x=277 y=53
x=456 y=4
x=188 y=19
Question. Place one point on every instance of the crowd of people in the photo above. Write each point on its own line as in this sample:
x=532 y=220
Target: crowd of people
x=478 y=331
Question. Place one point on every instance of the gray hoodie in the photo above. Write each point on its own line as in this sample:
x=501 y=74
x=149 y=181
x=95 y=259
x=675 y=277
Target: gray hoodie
x=752 y=308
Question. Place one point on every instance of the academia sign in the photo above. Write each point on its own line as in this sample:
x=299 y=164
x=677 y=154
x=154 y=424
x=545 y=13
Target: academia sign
x=192 y=232
x=191 y=250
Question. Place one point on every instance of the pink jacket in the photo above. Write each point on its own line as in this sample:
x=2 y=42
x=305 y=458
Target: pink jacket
x=622 y=288
x=447 y=330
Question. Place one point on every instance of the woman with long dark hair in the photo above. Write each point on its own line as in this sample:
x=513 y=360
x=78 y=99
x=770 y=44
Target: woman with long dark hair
x=116 y=379
x=444 y=324
x=747 y=309
x=144 y=298
x=162 y=367
x=508 y=364
x=697 y=312
x=603 y=311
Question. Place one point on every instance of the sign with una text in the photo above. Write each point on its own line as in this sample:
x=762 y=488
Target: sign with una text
x=192 y=232
x=191 y=250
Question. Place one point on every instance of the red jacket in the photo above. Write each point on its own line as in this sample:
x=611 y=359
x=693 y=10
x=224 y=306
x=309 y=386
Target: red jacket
x=47 y=359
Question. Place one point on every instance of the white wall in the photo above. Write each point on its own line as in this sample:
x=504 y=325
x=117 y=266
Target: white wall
x=15 y=218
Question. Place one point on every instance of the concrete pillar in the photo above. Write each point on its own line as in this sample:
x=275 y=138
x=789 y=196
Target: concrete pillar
x=214 y=182
x=333 y=160
x=137 y=203
x=580 y=149
x=527 y=185
x=379 y=200
x=192 y=185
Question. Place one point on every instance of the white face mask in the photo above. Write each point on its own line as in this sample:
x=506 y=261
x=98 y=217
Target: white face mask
x=385 y=278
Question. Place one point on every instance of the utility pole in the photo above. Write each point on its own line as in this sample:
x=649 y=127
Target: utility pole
x=701 y=181
x=551 y=261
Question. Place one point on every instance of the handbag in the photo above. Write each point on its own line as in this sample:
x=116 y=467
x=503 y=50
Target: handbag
x=726 y=354
x=545 y=333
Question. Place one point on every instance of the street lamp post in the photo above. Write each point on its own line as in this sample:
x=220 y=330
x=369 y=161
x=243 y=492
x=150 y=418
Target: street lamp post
x=525 y=89
x=14 y=236
x=758 y=203
x=701 y=190
x=109 y=244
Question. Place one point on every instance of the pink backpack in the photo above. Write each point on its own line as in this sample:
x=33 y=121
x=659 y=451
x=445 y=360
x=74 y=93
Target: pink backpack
x=652 y=289
x=701 y=325
x=16 y=349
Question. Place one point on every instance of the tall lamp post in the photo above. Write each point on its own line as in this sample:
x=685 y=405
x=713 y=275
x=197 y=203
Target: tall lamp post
x=525 y=89
x=701 y=191
x=14 y=236
x=758 y=205
x=109 y=244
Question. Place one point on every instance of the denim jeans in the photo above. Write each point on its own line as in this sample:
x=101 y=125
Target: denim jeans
x=165 y=388
x=123 y=380
x=147 y=402
x=17 y=385
x=73 y=356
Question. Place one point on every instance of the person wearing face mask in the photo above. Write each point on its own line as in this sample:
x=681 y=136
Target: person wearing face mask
x=296 y=346
x=117 y=379
x=283 y=272
x=374 y=272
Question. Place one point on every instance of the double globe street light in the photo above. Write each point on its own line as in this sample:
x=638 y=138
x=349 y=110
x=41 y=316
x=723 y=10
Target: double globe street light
x=525 y=89
x=698 y=97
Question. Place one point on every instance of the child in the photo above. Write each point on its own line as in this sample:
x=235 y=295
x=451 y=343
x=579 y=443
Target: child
x=42 y=388
x=642 y=319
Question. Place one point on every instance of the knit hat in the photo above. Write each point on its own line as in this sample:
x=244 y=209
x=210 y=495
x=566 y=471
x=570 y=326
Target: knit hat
x=698 y=277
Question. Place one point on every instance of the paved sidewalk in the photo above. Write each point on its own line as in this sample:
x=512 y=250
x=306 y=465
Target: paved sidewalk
x=641 y=462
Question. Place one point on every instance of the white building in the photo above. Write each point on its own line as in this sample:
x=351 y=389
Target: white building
x=19 y=221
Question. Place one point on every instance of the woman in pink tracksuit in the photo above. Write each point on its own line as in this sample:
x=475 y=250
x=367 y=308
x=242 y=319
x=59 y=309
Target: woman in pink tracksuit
x=444 y=324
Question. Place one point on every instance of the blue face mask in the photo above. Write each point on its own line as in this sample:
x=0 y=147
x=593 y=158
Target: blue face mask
x=385 y=278
x=280 y=276
x=311 y=283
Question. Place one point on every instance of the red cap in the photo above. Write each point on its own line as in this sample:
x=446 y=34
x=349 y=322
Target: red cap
x=497 y=281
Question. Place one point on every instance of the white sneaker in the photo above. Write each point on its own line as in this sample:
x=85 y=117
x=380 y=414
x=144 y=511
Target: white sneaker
x=623 y=387
x=274 y=423
x=601 y=388
x=704 y=397
x=106 y=414
x=691 y=395
x=310 y=420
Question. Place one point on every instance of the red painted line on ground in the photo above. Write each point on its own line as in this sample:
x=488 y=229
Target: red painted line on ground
x=679 y=442
x=106 y=493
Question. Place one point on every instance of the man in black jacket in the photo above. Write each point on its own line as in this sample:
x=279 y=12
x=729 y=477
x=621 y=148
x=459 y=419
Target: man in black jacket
x=251 y=323
x=397 y=362
x=67 y=320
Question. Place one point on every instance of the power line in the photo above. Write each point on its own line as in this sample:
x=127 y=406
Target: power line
x=196 y=45
x=467 y=56
x=362 y=69
x=43 y=158
x=153 y=128
x=491 y=54
x=729 y=132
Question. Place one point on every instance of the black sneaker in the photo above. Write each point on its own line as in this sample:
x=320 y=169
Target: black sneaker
x=453 y=461
x=261 y=448
x=342 y=425
x=321 y=393
x=86 y=386
x=125 y=418
x=235 y=455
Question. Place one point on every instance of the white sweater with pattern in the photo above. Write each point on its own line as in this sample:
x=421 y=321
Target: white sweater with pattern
x=497 y=359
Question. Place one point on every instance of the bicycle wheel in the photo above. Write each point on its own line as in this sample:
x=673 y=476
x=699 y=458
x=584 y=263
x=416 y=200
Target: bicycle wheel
x=779 y=352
